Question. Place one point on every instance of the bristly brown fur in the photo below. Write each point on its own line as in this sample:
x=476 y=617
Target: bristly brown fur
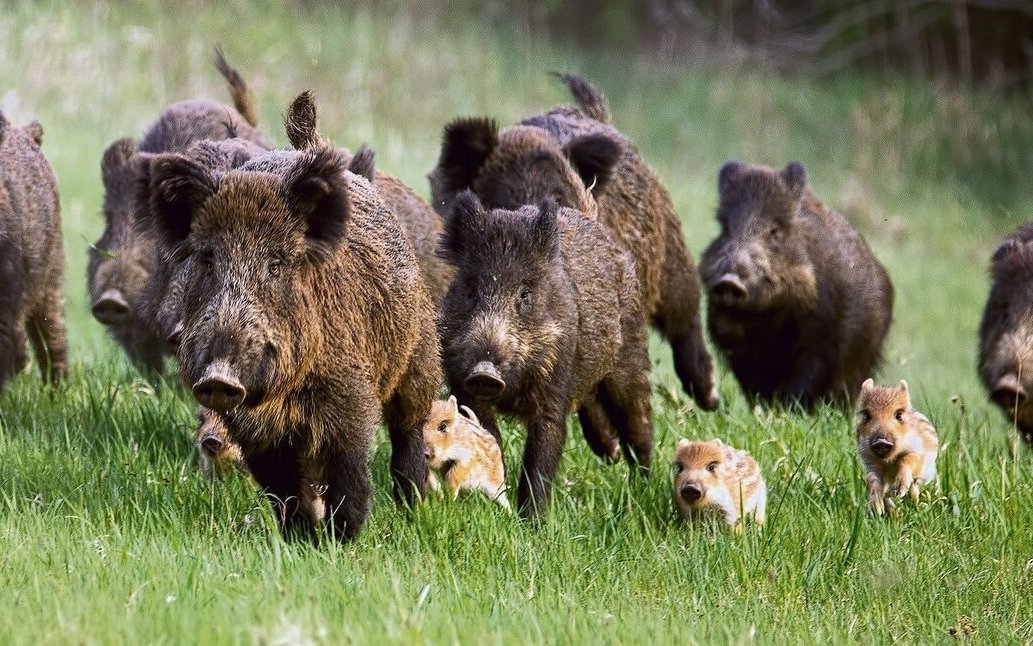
x=32 y=261
x=574 y=155
x=799 y=306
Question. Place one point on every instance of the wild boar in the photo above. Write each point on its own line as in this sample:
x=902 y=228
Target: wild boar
x=574 y=155
x=124 y=257
x=305 y=318
x=714 y=477
x=1006 y=331
x=798 y=304
x=543 y=314
x=32 y=260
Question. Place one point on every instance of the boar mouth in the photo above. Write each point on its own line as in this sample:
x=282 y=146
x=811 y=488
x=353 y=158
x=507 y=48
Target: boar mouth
x=1009 y=393
x=111 y=308
x=219 y=389
x=485 y=381
x=730 y=290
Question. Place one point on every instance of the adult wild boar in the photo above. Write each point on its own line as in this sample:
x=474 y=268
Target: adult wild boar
x=124 y=257
x=32 y=261
x=1006 y=332
x=574 y=155
x=544 y=313
x=798 y=304
x=305 y=317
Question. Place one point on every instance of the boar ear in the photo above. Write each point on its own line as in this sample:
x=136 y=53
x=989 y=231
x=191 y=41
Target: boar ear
x=467 y=215
x=727 y=176
x=300 y=122
x=794 y=176
x=472 y=416
x=594 y=157
x=545 y=230
x=362 y=163
x=868 y=385
x=116 y=158
x=902 y=386
x=35 y=130
x=682 y=443
x=453 y=403
x=178 y=187
x=465 y=146
x=316 y=189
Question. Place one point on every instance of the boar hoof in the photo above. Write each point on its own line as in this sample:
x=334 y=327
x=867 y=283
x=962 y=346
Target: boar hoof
x=219 y=390
x=729 y=289
x=111 y=308
x=485 y=381
x=1009 y=393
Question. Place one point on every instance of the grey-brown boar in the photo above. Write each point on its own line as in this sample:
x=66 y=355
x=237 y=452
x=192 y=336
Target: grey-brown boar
x=420 y=221
x=544 y=313
x=124 y=257
x=798 y=304
x=574 y=155
x=305 y=318
x=32 y=261
x=1006 y=332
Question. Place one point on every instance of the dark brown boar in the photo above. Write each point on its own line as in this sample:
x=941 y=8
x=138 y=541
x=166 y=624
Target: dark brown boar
x=543 y=314
x=1006 y=332
x=305 y=317
x=32 y=261
x=422 y=224
x=575 y=156
x=124 y=257
x=798 y=304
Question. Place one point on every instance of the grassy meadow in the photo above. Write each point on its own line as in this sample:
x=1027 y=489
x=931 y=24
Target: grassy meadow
x=109 y=534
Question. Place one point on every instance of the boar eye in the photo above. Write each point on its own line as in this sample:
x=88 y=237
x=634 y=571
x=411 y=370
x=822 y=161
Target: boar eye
x=899 y=415
x=678 y=468
x=865 y=416
x=443 y=427
x=712 y=467
x=274 y=267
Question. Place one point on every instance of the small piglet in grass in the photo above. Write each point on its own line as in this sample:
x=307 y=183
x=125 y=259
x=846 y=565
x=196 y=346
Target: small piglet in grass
x=216 y=452
x=712 y=477
x=466 y=455
x=897 y=444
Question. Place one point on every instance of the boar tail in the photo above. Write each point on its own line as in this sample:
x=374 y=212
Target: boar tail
x=588 y=97
x=243 y=99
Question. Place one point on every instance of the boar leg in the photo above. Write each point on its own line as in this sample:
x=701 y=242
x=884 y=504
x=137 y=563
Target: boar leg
x=404 y=413
x=678 y=319
x=12 y=336
x=277 y=472
x=46 y=330
x=598 y=432
x=626 y=398
x=546 y=433
x=348 y=488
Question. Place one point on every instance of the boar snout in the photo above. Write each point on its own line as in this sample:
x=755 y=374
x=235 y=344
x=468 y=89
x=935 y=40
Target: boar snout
x=690 y=492
x=881 y=445
x=111 y=308
x=729 y=289
x=219 y=389
x=1008 y=393
x=212 y=444
x=485 y=381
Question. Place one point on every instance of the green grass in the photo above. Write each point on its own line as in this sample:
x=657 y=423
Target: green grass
x=108 y=534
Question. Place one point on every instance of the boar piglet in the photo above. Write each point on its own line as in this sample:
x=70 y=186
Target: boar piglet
x=798 y=304
x=123 y=259
x=32 y=261
x=305 y=318
x=575 y=156
x=1006 y=332
x=543 y=314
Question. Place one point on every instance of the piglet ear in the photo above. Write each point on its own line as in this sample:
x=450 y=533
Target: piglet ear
x=794 y=176
x=179 y=186
x=902 y=386
x=453 y=405
x=318 y=193
x=594 y=157
x=362 y=163
x=472 y=416
x=467 y=217
x=868 y=385
x=728 y=176
x=682 y=443
x=465 y=146
x=545 y=231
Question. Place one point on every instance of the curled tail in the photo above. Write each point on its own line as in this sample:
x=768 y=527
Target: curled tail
x=588 y=97
x=243 y=99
